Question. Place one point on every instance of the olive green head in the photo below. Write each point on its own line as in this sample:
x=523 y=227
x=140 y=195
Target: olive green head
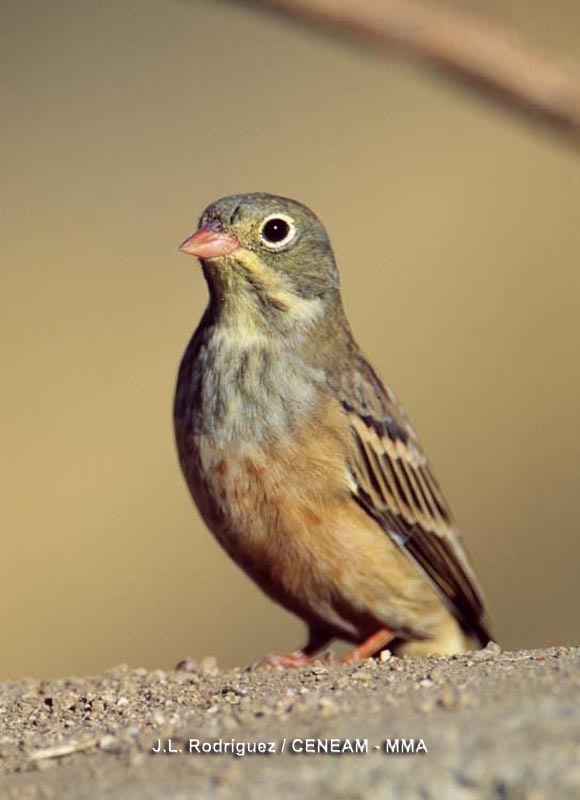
x=265 y=252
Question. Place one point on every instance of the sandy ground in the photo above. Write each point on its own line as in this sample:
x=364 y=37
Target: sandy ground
x=498 y=726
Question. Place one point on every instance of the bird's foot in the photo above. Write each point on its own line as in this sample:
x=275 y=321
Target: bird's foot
x=378 y=641
x=295 y=660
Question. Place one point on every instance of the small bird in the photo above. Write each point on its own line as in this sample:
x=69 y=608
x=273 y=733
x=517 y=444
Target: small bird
x=300 y=460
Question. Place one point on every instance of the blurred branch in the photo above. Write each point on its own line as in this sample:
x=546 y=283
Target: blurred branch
x=470 y=48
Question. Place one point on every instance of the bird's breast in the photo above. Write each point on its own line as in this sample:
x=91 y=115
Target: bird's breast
x=251 y=421
x=236 y=389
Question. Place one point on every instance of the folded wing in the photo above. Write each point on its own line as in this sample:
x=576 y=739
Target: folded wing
x=393 y=483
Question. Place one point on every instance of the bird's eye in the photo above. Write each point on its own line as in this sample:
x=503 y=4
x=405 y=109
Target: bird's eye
x=277 y=231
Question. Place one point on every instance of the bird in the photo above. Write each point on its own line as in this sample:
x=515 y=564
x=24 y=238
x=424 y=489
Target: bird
x=301 y=461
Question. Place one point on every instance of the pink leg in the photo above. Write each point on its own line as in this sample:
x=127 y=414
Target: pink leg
x=377 y=641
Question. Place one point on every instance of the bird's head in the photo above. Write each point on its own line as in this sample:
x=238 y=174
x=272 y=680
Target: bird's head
x=265 y=257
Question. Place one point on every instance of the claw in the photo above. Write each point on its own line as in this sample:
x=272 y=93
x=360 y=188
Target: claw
x=295 y=660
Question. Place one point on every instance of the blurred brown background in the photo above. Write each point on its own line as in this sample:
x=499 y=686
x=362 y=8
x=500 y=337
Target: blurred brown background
x=456 y=227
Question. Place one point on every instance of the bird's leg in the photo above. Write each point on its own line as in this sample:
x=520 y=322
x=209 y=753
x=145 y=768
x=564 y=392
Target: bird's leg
x=369 y=647
x=298 y=658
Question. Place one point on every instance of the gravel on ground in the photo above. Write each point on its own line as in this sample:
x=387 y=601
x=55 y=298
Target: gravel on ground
x=492 y=725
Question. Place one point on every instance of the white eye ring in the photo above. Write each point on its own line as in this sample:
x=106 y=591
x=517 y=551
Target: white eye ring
x=287 y=231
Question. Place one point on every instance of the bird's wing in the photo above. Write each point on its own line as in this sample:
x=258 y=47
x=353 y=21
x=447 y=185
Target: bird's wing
x=393 y=483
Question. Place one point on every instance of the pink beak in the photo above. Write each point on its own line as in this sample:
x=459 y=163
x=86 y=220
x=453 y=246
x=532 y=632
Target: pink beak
x=210 y=241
